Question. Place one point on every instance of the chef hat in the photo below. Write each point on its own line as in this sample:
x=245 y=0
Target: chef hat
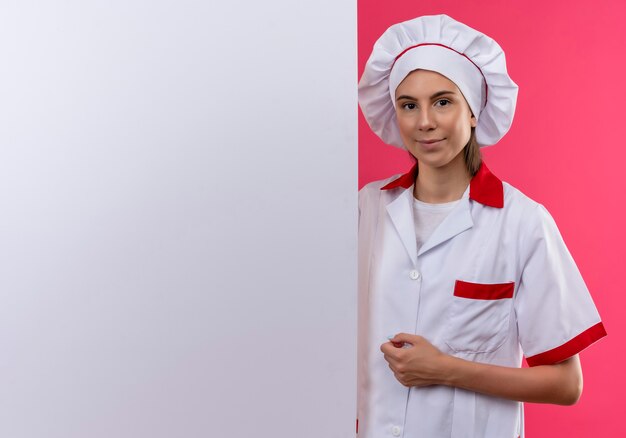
x=470 y=59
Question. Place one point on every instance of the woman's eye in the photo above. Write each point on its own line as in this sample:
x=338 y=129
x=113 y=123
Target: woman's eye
x=443 y=102
x=409 y=106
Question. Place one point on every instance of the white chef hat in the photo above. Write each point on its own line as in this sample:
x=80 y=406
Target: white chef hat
x=470 y=59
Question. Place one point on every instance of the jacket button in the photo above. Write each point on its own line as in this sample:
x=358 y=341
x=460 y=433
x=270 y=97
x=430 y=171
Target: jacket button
x=395 y=430
x=414 y=275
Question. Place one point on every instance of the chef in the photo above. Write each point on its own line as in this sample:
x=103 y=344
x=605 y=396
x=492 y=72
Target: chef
x=460 y=274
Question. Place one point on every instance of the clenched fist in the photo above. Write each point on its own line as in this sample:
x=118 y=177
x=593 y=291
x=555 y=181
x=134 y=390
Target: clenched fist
x=414 y=361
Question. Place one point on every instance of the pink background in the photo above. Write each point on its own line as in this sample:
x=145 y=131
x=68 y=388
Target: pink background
x=565 y=150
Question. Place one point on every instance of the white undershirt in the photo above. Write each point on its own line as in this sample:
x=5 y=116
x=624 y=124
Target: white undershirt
x=427 y=218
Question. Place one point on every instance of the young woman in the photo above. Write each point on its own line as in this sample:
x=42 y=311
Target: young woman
x=460 y=274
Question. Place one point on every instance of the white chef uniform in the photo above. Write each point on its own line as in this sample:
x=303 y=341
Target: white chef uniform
x=494 y=281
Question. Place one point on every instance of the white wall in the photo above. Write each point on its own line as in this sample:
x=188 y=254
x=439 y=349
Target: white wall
x=177 y=219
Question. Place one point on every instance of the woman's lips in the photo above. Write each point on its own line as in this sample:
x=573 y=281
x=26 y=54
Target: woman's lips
x=430 y=144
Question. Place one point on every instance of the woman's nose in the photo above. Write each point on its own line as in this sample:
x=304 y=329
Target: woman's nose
x=425 y=121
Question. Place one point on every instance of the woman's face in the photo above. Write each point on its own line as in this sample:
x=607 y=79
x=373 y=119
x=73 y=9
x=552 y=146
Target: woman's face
x=434 y=118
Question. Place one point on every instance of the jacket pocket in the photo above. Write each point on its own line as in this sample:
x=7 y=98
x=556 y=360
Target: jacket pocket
x=479 y=315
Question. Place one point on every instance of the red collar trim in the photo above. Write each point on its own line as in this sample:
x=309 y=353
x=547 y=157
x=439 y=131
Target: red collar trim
x=485 y=187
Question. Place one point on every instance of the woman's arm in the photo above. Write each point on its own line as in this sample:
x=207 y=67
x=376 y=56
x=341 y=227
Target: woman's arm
x=420 y=363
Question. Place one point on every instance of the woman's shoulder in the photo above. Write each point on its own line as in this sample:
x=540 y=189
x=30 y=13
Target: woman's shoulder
x=373 y=188
x=515 y=198
x=530 y=212
x=380 y=183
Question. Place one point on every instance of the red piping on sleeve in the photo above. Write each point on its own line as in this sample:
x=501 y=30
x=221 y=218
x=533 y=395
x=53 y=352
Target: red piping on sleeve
x=570 y=348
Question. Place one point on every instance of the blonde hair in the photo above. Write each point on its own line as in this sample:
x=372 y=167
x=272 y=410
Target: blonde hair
x=472 y=154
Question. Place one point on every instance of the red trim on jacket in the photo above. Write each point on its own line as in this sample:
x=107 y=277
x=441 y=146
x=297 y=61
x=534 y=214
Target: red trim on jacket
x=485 y=187
x=570 y=348
x=482 y=291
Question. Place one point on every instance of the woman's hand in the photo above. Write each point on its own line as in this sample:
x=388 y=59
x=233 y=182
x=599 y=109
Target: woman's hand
x=416 y=362
x=413 y=360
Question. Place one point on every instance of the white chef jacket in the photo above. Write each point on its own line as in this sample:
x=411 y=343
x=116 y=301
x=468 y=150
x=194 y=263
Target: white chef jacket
x=494 y=281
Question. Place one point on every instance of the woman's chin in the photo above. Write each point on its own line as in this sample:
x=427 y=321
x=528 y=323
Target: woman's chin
x=439 y=159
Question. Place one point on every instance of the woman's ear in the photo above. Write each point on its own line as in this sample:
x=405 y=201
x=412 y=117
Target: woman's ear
x=473 y=121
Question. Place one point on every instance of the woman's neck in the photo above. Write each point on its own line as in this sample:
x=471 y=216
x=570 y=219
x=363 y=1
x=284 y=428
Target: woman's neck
x=437 y=185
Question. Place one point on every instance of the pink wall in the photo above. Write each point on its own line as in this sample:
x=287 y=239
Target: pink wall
x=565 y=150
